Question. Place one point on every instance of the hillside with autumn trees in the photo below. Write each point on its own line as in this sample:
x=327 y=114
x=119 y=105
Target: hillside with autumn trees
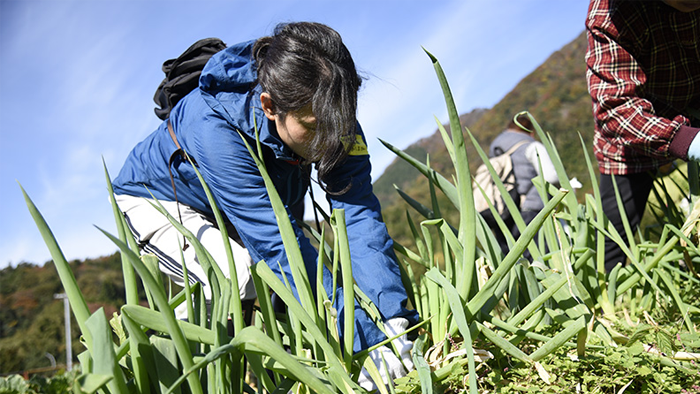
x=32 y=320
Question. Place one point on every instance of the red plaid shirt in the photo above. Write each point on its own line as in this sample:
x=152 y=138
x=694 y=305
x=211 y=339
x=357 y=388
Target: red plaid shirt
x=644 y=77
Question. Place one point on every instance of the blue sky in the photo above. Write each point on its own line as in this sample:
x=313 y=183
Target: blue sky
x=77 y=80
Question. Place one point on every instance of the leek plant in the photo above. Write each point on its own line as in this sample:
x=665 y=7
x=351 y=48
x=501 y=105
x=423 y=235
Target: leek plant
x=478 y=292
x=471 y=293
x=299 y=351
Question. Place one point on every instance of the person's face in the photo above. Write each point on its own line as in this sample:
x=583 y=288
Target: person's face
x=295 y=129
x=684 y=5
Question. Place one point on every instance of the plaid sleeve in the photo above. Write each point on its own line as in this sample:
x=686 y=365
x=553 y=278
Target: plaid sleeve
x=629 y=136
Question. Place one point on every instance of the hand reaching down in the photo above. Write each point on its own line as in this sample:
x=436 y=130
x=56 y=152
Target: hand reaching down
x=395 y=367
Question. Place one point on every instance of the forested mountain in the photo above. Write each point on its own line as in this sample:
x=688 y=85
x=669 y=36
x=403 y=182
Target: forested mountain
x=555 y=94
x=31 y=320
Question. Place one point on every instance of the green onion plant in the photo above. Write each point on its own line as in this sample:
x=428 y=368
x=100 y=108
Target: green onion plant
x=471 y=293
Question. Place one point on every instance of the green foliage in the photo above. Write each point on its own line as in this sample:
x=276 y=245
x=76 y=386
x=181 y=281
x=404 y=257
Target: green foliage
x=492 y=319
x=31 y=320
x=59 y=384
x=200 y=354
x=563 y=288
x=607 y=371
x=636 y=366
x=555 y=93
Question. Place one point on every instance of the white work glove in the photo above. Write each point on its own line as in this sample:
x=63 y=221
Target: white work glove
x=575 y=183
x=396 y=370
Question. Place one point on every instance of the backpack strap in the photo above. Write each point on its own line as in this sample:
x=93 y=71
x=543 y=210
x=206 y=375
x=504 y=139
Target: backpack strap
x=172 y=135
x=179 y=152
x=508 y=152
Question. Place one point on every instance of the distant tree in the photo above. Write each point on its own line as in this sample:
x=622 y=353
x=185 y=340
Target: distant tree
x=32 y=321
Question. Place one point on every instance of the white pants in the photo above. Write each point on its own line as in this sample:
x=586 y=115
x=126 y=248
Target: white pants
x=156 y=235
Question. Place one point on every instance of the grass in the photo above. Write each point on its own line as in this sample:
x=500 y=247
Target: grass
x=491 y=321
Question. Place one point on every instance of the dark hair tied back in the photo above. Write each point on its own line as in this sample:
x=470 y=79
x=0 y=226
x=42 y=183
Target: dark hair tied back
x=306 y=63
x=521 y=122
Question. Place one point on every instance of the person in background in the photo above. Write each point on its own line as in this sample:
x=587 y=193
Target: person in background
x=642 y=63
x=530 y=159
x=298 y=90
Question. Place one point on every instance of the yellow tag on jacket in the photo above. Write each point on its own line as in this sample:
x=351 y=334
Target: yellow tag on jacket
x=359 y=148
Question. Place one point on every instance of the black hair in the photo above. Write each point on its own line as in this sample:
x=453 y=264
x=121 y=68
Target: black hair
x=306 y=63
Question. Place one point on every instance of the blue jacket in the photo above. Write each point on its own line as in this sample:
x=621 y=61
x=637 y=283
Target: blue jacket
x=206 y=123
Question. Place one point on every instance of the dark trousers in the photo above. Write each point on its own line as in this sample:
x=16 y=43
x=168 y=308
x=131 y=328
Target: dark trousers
x=634 y=191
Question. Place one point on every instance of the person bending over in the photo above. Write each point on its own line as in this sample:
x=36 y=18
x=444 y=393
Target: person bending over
x=298 y=87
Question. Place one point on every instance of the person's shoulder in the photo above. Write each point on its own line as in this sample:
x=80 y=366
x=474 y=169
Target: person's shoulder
x=535 y=145
x=500 y=137
x=598 y=13
x=621 y=30
x=505 y=140
x=620 y=17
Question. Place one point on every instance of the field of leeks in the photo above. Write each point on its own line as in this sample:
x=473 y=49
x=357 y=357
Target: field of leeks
x=472 y=296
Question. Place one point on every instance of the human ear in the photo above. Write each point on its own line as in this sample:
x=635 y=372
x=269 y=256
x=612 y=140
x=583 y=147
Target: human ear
x=267 y=106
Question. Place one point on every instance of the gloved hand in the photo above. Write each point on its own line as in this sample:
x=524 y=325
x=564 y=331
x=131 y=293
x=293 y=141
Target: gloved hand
x=396 y=370
x=395 y=327
x=575 y=183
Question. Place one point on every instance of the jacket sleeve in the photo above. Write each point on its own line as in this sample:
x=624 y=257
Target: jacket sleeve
x=624 y=120
x=537 y=155
x=374 y=263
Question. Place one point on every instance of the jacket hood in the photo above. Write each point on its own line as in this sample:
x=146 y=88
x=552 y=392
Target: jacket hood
x=229 y=86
